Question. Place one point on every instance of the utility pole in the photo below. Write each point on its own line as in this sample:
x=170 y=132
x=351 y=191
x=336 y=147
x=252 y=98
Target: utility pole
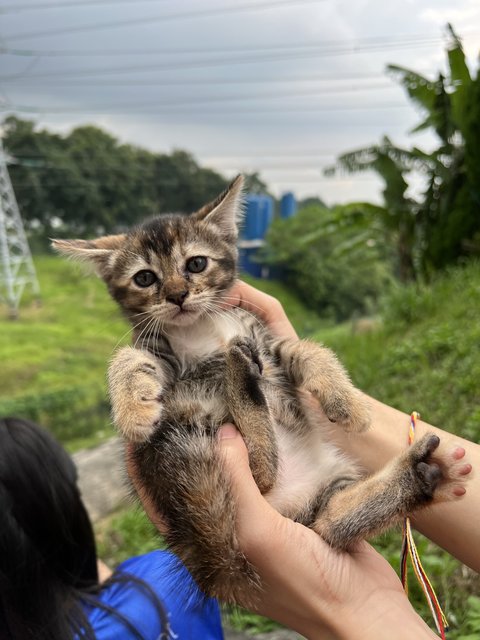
x=17 y=270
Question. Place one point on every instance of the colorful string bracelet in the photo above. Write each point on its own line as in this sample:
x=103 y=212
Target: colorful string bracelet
x=409 y=549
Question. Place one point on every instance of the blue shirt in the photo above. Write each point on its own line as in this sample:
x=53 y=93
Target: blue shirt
x=190 y=615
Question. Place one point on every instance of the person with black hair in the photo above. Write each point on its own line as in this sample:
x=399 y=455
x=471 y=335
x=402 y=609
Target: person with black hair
x=49 y=579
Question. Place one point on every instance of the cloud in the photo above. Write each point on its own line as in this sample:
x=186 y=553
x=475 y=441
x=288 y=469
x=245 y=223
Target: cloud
x=238 y=87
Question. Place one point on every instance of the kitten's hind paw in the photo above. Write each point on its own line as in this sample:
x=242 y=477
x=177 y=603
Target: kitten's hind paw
x=437 y=475
x=245 y=349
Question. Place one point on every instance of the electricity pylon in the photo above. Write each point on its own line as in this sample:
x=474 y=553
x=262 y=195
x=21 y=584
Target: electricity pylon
x=17 y=270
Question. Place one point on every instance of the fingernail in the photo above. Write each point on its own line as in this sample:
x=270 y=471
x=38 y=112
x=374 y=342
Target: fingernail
x=227 y=432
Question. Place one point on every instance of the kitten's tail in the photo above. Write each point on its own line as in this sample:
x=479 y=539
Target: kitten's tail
x=202 y=518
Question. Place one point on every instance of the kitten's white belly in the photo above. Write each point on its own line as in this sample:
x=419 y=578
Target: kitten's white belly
x=205 y=337
x=306 y=463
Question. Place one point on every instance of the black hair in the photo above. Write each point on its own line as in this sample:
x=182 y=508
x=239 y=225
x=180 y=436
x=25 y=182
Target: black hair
x=48 y=562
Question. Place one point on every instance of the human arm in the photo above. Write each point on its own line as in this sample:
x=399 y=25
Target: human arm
x=454 y=526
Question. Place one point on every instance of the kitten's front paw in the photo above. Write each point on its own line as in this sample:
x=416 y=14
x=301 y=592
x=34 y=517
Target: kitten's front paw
x=436 y=475
x=135 y=381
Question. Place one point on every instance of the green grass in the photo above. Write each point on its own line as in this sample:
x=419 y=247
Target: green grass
x=67 y=339
x=426 y=354
x=303 y=319
x=125 y=534
x=54 y=357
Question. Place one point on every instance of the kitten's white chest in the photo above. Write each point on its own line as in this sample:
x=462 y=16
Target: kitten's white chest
x=205 y=337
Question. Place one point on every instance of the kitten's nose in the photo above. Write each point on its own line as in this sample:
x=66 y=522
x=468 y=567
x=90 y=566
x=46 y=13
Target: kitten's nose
x=178 y=297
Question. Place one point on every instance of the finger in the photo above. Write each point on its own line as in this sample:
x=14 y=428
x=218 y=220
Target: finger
x=254 y=513
x=264 y=306
x=235 y=457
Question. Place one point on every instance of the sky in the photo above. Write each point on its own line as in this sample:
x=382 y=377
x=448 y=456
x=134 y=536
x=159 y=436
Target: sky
x=281 y=87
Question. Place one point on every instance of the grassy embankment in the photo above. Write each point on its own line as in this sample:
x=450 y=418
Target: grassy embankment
x=54 y=357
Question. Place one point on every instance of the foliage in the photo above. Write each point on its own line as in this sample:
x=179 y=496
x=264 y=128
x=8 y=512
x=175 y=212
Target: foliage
x=126 y=534
x=254 y=184
x=471 y=624
x=78 y=416
x=332 y=264
x=181 y=185
x=398 y=215
x=425 y=355
x=303 y=319
x=87 y=182
x=443 y=224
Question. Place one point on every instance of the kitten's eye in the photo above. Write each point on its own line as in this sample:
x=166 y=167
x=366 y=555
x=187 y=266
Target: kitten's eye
x=196 y=264
x=144 y=278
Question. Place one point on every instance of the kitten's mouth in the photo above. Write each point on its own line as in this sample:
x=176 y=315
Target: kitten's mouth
x=186 y=314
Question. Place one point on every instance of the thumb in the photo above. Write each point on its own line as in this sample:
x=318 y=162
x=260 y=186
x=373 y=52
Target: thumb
x=255 y=516
x=235 y=456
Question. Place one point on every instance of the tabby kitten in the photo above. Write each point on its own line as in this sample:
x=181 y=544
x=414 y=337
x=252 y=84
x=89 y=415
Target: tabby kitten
x=197 y=363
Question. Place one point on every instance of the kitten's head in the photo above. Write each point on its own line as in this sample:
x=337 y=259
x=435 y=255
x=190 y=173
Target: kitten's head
x=171 y=269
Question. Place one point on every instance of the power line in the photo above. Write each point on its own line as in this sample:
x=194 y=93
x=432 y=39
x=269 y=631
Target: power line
x=219 y=61
x=368 y=40
x=32 y=6
x=200 y=13
x=80 y=182
x=180 y=102
x=154 y=108
x=169 y=82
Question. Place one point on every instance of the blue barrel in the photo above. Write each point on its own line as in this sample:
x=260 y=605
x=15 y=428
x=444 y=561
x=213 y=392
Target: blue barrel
x=288 y=205
x=247 y=261
x=251 y=227
x=265 y=215
x=258 y=216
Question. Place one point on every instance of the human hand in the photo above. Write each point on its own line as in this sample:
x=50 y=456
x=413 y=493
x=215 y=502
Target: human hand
x=308 y=586
x=264 y=306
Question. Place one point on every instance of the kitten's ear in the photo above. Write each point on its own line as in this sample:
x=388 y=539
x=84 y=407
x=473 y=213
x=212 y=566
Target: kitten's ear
x=225 y=212
x=96 y=252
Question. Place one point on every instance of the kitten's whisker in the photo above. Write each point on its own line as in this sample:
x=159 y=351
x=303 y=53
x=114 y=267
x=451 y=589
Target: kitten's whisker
x=218 y=312
x=143 y=332
x=142 y=313
x=129 y=330
x=249 y=313
x=250 y=304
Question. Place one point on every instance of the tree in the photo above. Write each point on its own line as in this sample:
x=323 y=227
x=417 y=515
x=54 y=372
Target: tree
x=398 y=215
x=88 y=183
x=181 y=185
x=336 y=270
x=437 y=229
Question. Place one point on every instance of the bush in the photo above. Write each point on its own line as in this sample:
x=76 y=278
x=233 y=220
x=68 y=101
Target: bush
x=75 y=415
x=337 y=274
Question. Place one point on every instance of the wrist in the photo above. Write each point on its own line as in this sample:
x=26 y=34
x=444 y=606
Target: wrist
x=379 y=616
